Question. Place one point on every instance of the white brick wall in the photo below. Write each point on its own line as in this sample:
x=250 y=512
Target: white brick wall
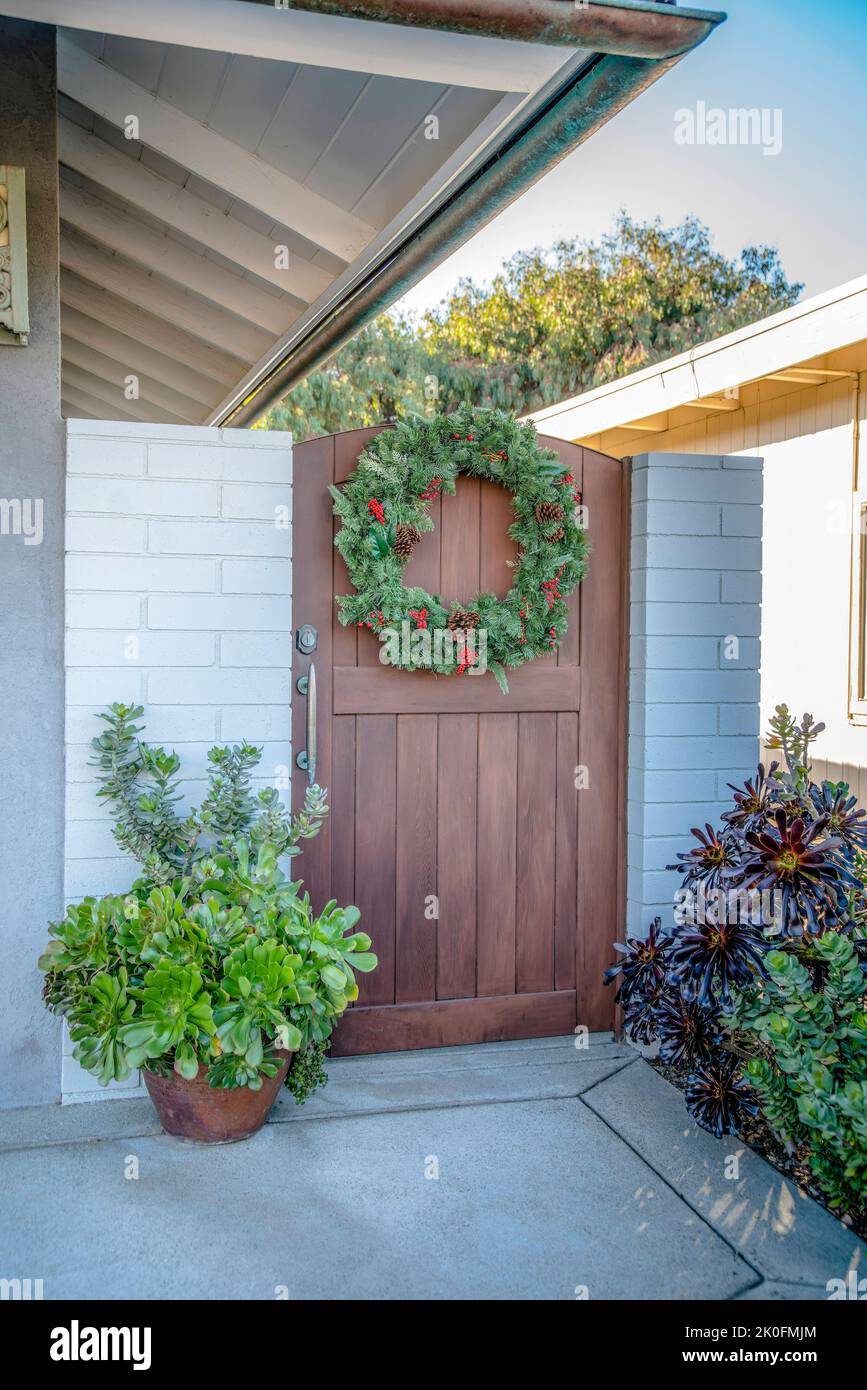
x=693 y=709
x=178 y=597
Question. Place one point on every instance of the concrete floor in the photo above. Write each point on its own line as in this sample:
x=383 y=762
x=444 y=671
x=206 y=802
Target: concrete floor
x=527 y=1170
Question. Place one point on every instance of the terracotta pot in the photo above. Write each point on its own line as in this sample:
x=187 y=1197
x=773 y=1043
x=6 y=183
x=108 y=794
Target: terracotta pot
x=213 y=1115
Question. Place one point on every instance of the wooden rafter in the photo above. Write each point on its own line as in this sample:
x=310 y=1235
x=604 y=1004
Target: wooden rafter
x=162 y=298
x=157 y=333
x=208 y=154
x=137 y=356
x=118 y=374
x=127 y=178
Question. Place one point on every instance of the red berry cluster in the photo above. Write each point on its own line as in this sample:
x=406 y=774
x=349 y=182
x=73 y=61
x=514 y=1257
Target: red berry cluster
x=420 y=615
x=553 y=635
x=373 y=621
x=551 y=588
x=376 y=511
x=466 y=659
x=522 y=613
x=569 y=481
x=468 y=437
x=432 y=489
x=501 y=454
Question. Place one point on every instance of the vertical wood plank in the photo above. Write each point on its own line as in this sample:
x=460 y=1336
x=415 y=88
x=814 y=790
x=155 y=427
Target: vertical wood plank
x=600 y=830
x=342 y=802
x=375 y=807
x=496 y=548
x=415 y=941
x=566 y=852
x=536 y=852
x=456 y=855
x=497 y=814
x=313 y=469
x=354 y=646
x=460 y=543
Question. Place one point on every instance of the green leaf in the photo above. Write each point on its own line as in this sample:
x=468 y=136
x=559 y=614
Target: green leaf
x=499 y=675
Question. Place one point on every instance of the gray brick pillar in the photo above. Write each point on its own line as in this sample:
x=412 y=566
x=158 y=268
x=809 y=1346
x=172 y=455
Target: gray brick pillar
x=695 y=624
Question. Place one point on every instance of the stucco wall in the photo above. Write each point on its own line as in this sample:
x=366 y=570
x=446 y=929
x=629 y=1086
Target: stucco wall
x=31 y=587
x=178 y=597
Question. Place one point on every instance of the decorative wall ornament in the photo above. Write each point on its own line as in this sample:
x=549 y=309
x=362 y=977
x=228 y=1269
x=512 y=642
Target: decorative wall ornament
x=14 y=315
x=383 y=507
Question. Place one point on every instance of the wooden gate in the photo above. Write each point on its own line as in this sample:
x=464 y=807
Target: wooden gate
x=489 y=877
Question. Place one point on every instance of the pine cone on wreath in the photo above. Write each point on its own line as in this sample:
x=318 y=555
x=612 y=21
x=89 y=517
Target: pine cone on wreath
x=407 y=537
x=555 y=536
x=549 y=511
x=462 y=619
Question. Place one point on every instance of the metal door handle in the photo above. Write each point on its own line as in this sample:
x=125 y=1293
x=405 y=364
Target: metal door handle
x=306 y=759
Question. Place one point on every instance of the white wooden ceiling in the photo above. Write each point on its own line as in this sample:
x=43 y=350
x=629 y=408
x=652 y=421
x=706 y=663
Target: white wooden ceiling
x=174 y=286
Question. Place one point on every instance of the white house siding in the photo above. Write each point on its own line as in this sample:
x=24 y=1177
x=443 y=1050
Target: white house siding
x=805 y=436
x=178 y=597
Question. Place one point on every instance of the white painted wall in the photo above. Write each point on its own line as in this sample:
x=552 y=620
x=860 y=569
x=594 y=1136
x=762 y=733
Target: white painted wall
x=178 y=597
x=805 y=437
x=695 y=618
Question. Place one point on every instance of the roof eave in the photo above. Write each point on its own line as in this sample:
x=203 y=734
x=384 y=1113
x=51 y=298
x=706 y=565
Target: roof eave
x=568 y=116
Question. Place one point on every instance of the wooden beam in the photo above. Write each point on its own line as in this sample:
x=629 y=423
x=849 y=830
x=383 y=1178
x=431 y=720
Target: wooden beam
x=128 y=178
x=199 y=317
x=362 y=690
x=125 y=318
x=96 y=409
x=159 y=255
x=721 y=403
x=106 y=391
x=115 y=373
x=651 y=424
x=69 y=411
x=210 y=155
x=269 y=31
x=137 y=357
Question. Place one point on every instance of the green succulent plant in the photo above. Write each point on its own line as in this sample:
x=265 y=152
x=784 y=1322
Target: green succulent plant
x=83 y=941
x=96 y=1023
x=175 y=1013
x=214 y=957
x=258 y=982
x=810 y=1071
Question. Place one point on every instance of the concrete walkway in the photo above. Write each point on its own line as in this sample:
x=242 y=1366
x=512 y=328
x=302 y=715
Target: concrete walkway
x=525 y=1170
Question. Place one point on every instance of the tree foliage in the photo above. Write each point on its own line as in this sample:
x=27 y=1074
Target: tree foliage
x=551 y=323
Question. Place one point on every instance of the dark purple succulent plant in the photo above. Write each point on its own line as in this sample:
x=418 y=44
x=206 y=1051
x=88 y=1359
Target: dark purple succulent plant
x=640 y=1017
x=847 y=822
x=718 y=1098
x=689 y=1033
x=754 y=801
x=717 y=956
x=804 y=866
x=642 y=971
x=707 y=862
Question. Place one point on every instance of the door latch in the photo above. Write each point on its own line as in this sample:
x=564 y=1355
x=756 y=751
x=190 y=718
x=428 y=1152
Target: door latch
x=306 y=639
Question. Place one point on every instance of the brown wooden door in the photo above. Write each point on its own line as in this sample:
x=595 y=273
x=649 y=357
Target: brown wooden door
x=491 y=885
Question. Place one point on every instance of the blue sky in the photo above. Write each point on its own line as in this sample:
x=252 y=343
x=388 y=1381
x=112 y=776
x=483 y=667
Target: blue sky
x=807 y=58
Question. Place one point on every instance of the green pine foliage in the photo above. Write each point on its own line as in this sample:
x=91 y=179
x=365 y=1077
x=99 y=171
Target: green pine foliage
x=553 y=322
x=396 y=470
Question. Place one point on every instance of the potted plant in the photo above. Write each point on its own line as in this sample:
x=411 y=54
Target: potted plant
x=213 y=973
x=757 y=995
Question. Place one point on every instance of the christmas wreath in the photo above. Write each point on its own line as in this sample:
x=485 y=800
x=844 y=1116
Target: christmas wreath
x=383 y=509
